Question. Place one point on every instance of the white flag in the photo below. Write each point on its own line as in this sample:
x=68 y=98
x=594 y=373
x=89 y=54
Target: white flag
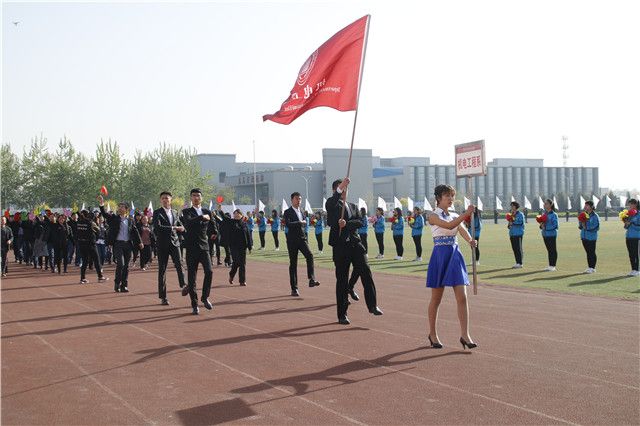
x=150 y=208
x=513 y=198
x=83 y=207
x=109 y=207
x=324 y=203
x=361 y=204
x=133 y=209
x=607 y=202
x=595 y=201
x=233 y=206
x=498 y=203
x=479 y=205
x=210 y=205
x=261 y=206
x=467 y=202
x=623 y=200
x=307 y=207
x=527 y=203
x=568 y=203
x=382 y=204
x=284 y=206
x=555 y=202
x=409 y=204
x=582 y=201
x=396 y=203
x=427 y=205
x=540 y=203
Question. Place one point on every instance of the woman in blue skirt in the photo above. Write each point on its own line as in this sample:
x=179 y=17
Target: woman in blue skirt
x=446 y=266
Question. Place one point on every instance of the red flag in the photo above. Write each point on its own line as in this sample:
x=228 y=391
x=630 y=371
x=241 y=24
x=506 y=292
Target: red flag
x=329 y=77
x=103 y=190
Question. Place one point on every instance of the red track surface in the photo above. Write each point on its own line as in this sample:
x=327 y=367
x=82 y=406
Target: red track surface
x=82 y=354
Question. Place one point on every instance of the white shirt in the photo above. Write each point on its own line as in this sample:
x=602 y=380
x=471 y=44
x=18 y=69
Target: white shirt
x=169 y=215
x=438 y=231
x=198 y=210
x=297 y=210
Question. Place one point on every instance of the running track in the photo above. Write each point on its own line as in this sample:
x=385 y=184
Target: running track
x=82 y=354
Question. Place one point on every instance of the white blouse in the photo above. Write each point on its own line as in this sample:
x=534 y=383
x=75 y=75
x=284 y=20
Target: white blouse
x=438 y=231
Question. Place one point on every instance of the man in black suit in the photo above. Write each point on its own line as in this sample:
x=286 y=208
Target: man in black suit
x=199 y=230
x=297 y=241
x=122 y=235
x=348 y=249
x=166 y=227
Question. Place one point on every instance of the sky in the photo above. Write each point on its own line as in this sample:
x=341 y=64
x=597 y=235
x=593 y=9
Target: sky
x=519 y=75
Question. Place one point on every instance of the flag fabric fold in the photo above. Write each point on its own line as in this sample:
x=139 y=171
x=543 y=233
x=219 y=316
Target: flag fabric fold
x=479 y=205
x=409 y=204
x=329 y=77
x=527 y=203
x=498 y=203
x=382 y=204
x=361 y=204
x=307 y=207
x=396 y=203
x=427 y=205
x=261 y=206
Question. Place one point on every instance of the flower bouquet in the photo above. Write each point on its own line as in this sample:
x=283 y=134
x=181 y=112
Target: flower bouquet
x=510 y=217
x=541 y=218
x=583 y=217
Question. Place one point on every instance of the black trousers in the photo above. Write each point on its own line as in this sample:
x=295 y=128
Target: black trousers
x=121 y=255
x=214 y=247
x=27 y=251
x=17 y=247
x=516 y=246
x=365 y=244
x=632 y=248
x=261 y=233
x=550 y=244
x=293 y=247
x=343 y=258
x=88 y=251
x=197 y=256
x=590 y=248
x=5 y=268
x=477 y=248
x=417 y=240
x=275 y=238
x=380 y=240
x=239 y=256
x=61 y=257
x=163 y=260
x=319 y=240
x=398 y=240
x=145 y=256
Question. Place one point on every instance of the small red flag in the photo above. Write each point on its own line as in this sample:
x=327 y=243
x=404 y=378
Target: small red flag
x=104 y=191
x=329 y=77
x=219 y=198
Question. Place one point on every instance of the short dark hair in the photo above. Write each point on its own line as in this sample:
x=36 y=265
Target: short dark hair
x=515 y=204
x=196 y=191
x=335 y=184
x=589 y=203
x=633 y=201
x=440 y=190
x=165 y=193
x=553 y=206
x=295 y=194
x=125 y=204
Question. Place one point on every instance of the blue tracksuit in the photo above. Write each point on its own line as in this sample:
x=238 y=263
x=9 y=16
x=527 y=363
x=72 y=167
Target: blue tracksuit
x=550 y=229
x=418 y=224
x=398 y=227
x=633 y=231
x=517 y=226
x=262 y=224
x=250 y=223
x=365 y=225
x=319 y=226
x=589 y=229
x=378 y=227
x=275 y=226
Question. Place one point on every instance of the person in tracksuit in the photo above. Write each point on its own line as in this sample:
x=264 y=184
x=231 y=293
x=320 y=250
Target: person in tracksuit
x=398 y=232
x=589 y=235
x=516 y=233
x=364 y=230
x=319 y=228
x=416 y=232
x=632 y=225
x=275 y=227
x=550 y=234
x=378 y=228
x=262 y=228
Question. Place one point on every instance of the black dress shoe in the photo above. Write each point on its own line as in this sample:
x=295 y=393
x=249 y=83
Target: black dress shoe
x=195 y=311
x=435 y=345
x=469 y=345
x=207 y=304
x=116 y=288
x=164 y=302
x=313 y=283
x=354 y=295
x=294 y=292
x=182 y=285
x=376 y=311
x=124 y=289
x=344 y=320
x=185 y=290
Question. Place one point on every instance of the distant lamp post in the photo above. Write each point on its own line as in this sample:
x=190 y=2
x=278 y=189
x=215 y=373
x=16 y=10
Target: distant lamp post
x=306 y=186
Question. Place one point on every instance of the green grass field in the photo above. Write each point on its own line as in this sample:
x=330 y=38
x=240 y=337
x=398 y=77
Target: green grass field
x=496 y=259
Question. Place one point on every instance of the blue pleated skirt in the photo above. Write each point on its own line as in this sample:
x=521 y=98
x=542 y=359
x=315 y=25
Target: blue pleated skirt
x=446 y=267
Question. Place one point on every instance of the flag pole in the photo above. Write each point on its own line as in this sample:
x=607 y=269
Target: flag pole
x=355 y=117
x=473 y=237
x=255 y=181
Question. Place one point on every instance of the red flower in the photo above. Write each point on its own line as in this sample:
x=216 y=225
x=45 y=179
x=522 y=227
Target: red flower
x=510 y=217
x=583 y=217
x=541 y=218
x=269 y=221
x=633 y=212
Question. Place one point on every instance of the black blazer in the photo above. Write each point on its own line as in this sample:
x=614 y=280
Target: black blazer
x=349 y=235
x=238 y=233
x=165 y=235
x=198 y=231
x=114 y=222
x=296 y=228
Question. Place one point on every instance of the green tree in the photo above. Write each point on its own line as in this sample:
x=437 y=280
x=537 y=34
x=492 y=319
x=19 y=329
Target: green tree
x=32 y=172
x=107 y=168
x=65 y=178
x=10 y=177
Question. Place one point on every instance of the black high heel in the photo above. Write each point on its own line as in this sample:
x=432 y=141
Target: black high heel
x=467 y=344
x=434 y=345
